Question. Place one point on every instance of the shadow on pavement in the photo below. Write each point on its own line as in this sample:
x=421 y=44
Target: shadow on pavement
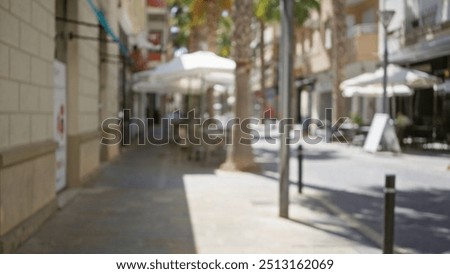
x=428 y=152
x=422 y=217
x=268 y=159
x=422 y=221
x=325 y=221
x=329 y=223
x=137 y=204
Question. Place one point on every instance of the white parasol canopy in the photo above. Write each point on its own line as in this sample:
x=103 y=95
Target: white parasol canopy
x=187 y=74
x=198 y=64
x=401 y=82
x=377 y=91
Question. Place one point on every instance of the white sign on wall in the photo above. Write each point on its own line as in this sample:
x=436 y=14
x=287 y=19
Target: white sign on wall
x=60 y=123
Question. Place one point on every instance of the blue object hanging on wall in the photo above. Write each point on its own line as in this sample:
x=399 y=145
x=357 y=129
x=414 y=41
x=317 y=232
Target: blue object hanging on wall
x=104 y=23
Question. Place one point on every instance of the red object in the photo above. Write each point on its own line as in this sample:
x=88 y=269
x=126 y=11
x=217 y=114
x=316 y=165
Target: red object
x=139 y=62
x=269 y=112
x=154 y=37
x=156 y=3
x=154 y=56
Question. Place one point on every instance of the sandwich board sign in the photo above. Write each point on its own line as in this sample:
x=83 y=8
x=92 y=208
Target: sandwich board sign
x=382 y=135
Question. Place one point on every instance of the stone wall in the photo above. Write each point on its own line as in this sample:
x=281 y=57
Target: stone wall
x=27 y=147
x=27 y=159
x=26 y=72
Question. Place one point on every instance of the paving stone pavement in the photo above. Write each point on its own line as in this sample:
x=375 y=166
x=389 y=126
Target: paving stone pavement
x=152 y=200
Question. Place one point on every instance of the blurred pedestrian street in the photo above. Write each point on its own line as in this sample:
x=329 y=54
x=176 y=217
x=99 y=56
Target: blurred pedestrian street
x=150 y=201
x=153 y=200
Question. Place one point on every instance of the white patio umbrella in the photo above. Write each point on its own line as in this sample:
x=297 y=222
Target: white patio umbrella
x=149 y=86
x=183 y=86
x=377 y=91
x=401 y=82
x=195 y=64
x=187 y=85
x=187 y=74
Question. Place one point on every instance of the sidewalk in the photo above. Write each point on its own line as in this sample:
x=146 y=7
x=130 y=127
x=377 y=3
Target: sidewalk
x=152 y=201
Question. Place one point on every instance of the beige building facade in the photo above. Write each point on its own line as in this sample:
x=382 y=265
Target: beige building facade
x=34 y=36
x=313 y=62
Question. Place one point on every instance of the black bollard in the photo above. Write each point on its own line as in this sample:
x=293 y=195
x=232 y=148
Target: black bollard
x=300 y=168
x=389 y=206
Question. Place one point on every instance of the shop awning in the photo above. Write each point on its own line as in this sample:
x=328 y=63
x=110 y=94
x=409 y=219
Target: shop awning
x=104 y=23
x=400 y=81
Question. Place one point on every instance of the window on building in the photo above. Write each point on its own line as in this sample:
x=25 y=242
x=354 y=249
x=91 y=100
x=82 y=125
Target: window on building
x=369 y=16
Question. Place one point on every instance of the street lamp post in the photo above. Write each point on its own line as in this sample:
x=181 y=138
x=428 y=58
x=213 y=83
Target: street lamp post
x=385 y=18
x=285 y=87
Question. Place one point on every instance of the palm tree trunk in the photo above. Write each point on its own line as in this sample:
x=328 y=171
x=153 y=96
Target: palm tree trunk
x=198 y=38
x=212 y=21
x=197 y=41
x=210 y=102
x=338 y=57
x=262 y=46
x=240 y=154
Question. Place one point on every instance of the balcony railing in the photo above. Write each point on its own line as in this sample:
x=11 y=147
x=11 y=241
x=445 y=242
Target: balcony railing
x=353 y=2
x=428 y=22
x=360 y=29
